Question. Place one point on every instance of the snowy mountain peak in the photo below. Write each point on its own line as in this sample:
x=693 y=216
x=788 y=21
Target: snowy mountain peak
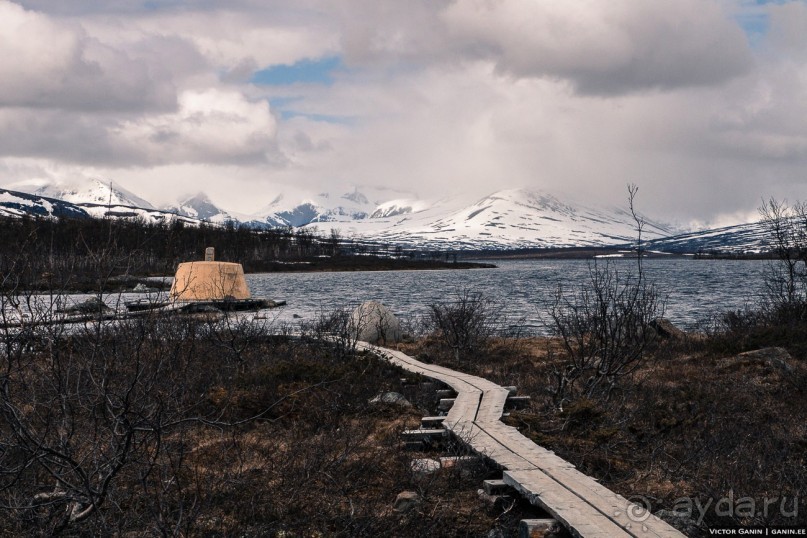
x=356 y=197
x=303 y=208
x=199 y=206
x=93 y=191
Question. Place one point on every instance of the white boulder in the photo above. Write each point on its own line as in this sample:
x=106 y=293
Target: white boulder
x=373 y=322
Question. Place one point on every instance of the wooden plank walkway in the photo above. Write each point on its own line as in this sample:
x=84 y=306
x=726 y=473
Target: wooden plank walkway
x=585 y=507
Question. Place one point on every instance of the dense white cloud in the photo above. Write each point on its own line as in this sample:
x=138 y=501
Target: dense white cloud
x=56 y=64
x=441 y=96
x=210 y=126
x=605 y=47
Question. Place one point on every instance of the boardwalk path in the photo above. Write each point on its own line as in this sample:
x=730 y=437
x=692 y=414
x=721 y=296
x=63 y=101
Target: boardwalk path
x=585 y=507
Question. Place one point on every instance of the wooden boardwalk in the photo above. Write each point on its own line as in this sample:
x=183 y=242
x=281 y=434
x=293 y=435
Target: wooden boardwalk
x=580 y=503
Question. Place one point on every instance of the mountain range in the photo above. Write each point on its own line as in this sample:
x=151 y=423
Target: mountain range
x=506 y=219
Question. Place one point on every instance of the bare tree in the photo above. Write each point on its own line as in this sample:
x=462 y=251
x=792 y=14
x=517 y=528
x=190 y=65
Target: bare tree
x=633 y=189
x=605 y=329
x=604 y=326
x=786 y=281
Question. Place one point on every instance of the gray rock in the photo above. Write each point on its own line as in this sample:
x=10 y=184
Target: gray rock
x=373 y=322
x=395 y=398
x=406 y=501
x=425 y=466
x=665 y=329
x=775 y=356
x=680 y=520
x=489 y=500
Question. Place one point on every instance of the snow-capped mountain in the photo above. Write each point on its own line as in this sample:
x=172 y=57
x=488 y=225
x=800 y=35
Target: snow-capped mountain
x=92 y=197
x=505 y=219
x=301 y=209
x=18 y=204
x=199 y=207
x=95 y=192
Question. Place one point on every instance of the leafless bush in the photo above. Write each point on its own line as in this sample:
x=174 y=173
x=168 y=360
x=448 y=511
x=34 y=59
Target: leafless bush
x=605 y=329
x=467 y=324
x=334 y=330
x=786 y=281
x=237 y=336
x=604 y=326
x=84 y=413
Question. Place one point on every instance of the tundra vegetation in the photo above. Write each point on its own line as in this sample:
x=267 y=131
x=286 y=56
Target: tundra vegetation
x=194 y=427
x=200 y=426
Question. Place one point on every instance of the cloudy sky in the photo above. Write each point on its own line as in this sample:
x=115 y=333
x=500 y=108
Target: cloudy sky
x=702 y=103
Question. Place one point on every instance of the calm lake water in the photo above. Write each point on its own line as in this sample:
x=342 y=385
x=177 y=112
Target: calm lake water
x=695 y=290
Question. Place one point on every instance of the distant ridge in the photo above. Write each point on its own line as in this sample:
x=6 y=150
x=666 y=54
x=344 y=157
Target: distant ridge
x=504 y=220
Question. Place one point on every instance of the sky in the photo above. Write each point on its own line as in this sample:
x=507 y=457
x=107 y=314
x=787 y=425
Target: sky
x=701 y=103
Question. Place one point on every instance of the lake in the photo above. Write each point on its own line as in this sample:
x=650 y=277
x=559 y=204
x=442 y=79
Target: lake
x=695 y=290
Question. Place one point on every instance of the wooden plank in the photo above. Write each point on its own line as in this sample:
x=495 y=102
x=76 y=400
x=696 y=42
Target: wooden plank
x=490 y=409
x=431 y=422
x=445 y=404
x=619 y=509
x=563 y=505
x=518 y=402
x=422 y=435
x=538 y=528
x=496 y=487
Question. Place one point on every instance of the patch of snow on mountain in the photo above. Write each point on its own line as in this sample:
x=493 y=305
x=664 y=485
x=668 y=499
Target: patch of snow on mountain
x=394 y=208
x=151 y=216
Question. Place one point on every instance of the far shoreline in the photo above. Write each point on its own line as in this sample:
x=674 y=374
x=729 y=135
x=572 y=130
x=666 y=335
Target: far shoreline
x=356 y=264
x=588 y=253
